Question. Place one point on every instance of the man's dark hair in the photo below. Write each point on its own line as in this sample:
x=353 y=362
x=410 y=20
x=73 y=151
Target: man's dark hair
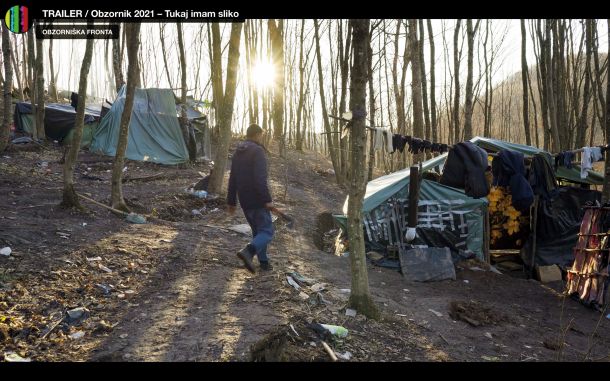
x=253 y=130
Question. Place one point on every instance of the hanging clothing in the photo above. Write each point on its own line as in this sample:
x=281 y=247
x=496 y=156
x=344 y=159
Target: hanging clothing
x=542 y=177
x=378 y=140
x=465 y=169
x=596 y=154
x=585 y=162
x=387 y=135
x=508 y=169
x=399 y=142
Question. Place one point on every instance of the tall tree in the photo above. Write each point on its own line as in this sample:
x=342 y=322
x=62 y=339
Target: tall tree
x=299 y=138
x=39 y=93
x=119 y=80
x=70 y=199
x=277 y=47
x=416 y=88
x=606 y=188
x=332 y=148
x=133 y=73
x=524 y=76
x=227 y=98
x=433 y=122
x=468 y=104
x=189 y=137
x=8 y=85
x=52 y=75
x=424 y=82
x=456 y=98
x=360 y=297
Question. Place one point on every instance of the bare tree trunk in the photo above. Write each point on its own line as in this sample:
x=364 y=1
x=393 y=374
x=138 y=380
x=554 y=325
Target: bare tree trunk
x=299 y=139
x=468 y=104
x=278 y=89
x=360 y=297
x=163 y=51
x=369 y=53
x=225 y=113
x=133 y=44
x=424 y=84
x=16 y=74
x=550 y=90
x=416 y=88
x=606 y=188
x=333 y=152
x=456 y=98
x=39 y=94
x=189 y=138
x=31 y=90
x=526 y=119
x=52 y=84
x=433 y=121
x=582 y=122
x=8 y=85
x=70 y=199
x=119 y=80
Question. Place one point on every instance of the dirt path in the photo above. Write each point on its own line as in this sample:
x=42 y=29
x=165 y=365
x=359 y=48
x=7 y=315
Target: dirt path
x=178 y=292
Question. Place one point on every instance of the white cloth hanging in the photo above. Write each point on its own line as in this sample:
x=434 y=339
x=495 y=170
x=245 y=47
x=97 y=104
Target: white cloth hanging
x=378 y=139
x=388 y=140
x=585 y=162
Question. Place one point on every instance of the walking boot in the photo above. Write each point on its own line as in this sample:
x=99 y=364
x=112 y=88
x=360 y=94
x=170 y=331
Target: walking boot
x=266 y=266
x=246 y=254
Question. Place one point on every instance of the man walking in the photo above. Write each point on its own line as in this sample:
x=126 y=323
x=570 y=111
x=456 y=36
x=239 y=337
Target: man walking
x=248 y=182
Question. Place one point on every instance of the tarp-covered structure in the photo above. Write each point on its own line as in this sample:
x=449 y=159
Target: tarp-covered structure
x=154 y=129
x=59 y=121
x=449 y=218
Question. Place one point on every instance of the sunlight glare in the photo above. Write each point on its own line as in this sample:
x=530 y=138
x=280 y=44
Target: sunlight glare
x=263 y=74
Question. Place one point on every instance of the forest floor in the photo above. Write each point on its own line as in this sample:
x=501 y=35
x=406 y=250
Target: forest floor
x=174 y=290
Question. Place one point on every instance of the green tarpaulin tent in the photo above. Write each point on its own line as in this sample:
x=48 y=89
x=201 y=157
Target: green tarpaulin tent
x=154 y=130
x=446 y=215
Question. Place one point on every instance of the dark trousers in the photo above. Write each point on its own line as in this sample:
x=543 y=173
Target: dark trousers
x=262 y=230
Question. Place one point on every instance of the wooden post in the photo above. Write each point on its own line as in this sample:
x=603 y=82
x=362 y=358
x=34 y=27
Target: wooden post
x=486 y=240
x=534 y=225
x=413 y=195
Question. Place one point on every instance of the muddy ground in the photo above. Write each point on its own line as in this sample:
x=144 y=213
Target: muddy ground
x=173 y=289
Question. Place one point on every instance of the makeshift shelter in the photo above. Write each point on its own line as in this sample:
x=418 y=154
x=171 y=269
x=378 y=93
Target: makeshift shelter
x=154 y=129
x=59 y=121
x=447 y=217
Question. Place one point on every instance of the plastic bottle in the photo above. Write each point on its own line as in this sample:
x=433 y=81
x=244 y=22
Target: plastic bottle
x=336 y=330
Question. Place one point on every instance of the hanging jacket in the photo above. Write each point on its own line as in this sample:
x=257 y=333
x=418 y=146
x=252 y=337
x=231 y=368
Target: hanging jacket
x=465 y=169
x=542 y=177
x=509 y=170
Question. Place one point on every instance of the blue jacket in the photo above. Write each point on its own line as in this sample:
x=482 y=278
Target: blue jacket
x=248 y=179
x=509 y=170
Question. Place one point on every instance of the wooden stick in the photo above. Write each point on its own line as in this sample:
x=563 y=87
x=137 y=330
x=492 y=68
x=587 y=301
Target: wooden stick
x=102 y=205
x=330 y=352
x=144 y=178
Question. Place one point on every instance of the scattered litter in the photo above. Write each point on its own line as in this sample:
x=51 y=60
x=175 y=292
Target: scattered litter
x=488 y=335
x=294 y=330
x=495 y=270
x=466 y=281
x=403 y=315
x=129 y=291
x=405 y=290
x=84 y=224
x=242 y=228
x=528 y=346
x=475 y=268
x=293 y=283
x=214 y=259
x=435 y=312
x=6 y=251
x=123 y=336
x=94 y=259
x=303 y=295
x=105 y=289
x=302 y=280
x=344 y=356
x=345 y=255
x=318 y=287
x=313 y=344
x=14 y=357
x=135 y=218
x=104 y=268
x=383 y=283
x=196 y=212
x=197 y=193
x=120 y=296
x=350 y=312
x=77 y=335
x=165 y=240
x=345 y=290
x=77 y=313
x=608 y=316
x=336 y=330
x=317 y=299
x=490 y=358
x=427 y=264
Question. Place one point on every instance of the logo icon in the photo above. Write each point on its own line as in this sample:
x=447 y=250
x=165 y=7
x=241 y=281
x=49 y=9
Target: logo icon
x=17 y=19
